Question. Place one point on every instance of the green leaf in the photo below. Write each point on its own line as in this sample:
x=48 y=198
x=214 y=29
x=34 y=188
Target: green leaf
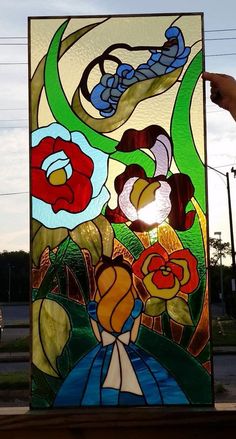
x=178 y=310
x=51 y=332
x=44 y=238
x=155 y=306
x=70 y=254
x=101 y=237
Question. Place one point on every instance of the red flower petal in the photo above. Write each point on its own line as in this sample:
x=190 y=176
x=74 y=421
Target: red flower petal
x=176 y=269
x=81 y=189
x=42 y=189
x=155 y=263
x=41 y=151
x=163 y=281
x=193 y=280
x=155 y=249
x=182 y=191
x=73 y=196
x=133 y=139
x=80 y=162
x=115 y=215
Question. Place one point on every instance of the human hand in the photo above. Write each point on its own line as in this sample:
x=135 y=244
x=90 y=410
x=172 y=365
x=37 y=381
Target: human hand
x=223 y=91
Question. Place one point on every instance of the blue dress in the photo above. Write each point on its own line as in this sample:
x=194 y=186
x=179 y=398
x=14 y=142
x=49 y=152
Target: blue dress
x=119 y=373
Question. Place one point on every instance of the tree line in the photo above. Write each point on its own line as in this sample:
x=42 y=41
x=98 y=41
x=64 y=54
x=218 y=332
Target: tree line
x=15 y=276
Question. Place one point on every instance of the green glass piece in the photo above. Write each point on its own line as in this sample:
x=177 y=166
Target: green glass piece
x=186 y=155
x=179 y=362
x=129 y=239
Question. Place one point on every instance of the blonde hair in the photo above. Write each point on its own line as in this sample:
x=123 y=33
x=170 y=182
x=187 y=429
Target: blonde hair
x=115 y=293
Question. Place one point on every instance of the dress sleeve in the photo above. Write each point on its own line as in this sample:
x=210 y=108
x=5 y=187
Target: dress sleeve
x=92 y=310
x=137 y=309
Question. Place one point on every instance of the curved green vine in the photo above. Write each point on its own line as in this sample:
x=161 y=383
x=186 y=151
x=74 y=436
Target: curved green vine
x=185 y=153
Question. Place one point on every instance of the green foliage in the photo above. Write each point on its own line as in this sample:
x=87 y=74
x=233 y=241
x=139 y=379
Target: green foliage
x=218 y=248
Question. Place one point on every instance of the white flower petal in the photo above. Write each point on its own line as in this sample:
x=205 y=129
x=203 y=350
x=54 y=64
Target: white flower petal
x=59 y=164
x=124 y=200
x=54 y=130
x=43 y=212
x=162 y=151
x=52 y=158
x=158 y=210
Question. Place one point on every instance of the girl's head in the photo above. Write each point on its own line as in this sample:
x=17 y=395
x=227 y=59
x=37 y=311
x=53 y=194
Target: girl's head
x=115 y=293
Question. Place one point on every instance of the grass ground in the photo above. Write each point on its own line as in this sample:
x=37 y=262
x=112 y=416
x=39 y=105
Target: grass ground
x=19 y=345
x=14 y=381
x=224 y=332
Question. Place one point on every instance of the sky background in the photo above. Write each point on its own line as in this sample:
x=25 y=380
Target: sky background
x=221 y=128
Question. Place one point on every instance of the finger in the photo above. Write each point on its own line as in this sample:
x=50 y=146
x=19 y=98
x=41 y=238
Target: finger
x=208 y=76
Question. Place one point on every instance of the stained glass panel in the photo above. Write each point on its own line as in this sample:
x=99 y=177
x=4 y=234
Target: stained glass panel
x=119 y=233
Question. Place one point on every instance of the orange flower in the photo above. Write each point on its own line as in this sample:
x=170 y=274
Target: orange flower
x=165 y=275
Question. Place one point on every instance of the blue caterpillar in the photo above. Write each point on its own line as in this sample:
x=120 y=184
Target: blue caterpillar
x=105 y=95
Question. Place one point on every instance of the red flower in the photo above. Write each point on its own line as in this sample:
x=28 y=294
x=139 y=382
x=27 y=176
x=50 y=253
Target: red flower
x=61 y=175
x=165 y=275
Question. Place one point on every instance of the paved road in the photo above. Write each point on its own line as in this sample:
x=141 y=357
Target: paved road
x=14 y=314
x=14 y=367
x=17 y=313
x=225 y=367
x=11 y=334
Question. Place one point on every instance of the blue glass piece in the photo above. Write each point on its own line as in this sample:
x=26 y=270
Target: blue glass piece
x=169 y=69
x=185 y=53
x=92 y=309
x=169 y=388
x=110 y=397
x=127 y=398
x=178 y=63
x=156 y=56
x=107 y=113
x=72 y=389
x=92 y=394
x=128 y=324
x=143 y=66
x=106 y=363
x=145 y=377
x=96 y=97
x=137 y=309
x=122 y=87
x=172 y=32
x=125 y=70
